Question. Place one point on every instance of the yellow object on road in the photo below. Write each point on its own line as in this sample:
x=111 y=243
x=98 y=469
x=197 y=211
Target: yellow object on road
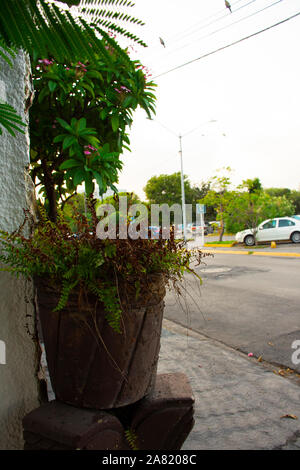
x=273 y=245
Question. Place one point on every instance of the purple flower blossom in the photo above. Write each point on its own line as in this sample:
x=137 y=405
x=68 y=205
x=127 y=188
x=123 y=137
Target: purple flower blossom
x=125 y=89
x=46 y=61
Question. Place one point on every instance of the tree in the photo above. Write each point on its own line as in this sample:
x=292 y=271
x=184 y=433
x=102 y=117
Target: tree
x=75 y=206
x=291 y=194
x=294 y=197
x=166 y=189
x=252 y=185
x=219 y=197
x=79 y=122
x=248 y=210
x=278 y=192
x=132 y=198
x=45 y=29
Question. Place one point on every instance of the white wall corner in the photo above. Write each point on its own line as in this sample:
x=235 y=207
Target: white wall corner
x=18 y=376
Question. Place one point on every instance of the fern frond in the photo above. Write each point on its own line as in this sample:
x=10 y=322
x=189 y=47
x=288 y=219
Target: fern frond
x=132 y=439
x=7 y=53
x=110 y=19
x=10 y=120
x=109 y=297
x=45 y=30
x=65 y=292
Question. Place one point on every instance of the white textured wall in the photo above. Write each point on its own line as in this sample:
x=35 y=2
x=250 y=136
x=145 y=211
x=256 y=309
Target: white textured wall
x=18 y=380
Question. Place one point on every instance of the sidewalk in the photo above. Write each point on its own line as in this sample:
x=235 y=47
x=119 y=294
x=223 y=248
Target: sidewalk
x=239 y=402
x=290 y=250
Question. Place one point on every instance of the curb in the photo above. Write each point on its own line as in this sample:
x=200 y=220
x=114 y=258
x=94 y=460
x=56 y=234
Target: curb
x=216 y=245
x=252 y=253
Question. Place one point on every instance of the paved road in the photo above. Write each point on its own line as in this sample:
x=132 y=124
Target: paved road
x=249 y=303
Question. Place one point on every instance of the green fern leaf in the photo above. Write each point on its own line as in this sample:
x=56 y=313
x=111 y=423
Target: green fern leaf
x=10 y=120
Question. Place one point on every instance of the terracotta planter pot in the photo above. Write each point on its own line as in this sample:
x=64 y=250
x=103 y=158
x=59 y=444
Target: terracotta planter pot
x=90 y=365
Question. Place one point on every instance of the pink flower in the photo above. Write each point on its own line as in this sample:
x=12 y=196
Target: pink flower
x=87 y=152
x=46 y=61
x=125 y=89
x=250 y=355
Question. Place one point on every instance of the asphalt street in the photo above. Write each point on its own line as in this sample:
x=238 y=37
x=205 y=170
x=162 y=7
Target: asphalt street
x=250 y=303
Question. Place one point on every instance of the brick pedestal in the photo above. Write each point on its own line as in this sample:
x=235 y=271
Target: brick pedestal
x=160 y=421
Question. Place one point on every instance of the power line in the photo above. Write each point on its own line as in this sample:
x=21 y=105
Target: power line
x=227 y=26
x=218 y=19
x=183 y=34
x=228 y=45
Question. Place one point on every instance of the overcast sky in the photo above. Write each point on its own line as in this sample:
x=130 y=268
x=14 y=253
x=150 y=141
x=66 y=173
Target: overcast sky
x=252 y=89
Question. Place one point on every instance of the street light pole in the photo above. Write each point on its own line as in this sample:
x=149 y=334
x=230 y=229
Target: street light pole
x=181 y=163
x=182 y=189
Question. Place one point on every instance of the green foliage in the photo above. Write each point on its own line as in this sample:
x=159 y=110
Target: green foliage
x=248 y=210
x=252 y=185
x=166 y=189
x=7 y=53
x=132 y=198
x=114 y=271
x=79 y=122
x=292 y=195
x=45 y=29
x=132 y=439
x=219 y=197
x=76 y=204
x=111 y=19
x=275 y=192
x=87 y=160
x=10 y=120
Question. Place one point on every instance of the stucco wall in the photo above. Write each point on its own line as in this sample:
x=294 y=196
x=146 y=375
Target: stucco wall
x=18 y=380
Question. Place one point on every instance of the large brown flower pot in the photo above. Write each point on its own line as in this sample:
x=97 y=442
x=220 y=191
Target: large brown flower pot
x=91 y=365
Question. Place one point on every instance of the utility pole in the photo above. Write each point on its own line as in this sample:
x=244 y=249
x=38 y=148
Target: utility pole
x=181 y=163
x=182 y=189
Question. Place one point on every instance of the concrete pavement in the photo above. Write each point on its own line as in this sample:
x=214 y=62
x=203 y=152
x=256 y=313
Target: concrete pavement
x=240 y=403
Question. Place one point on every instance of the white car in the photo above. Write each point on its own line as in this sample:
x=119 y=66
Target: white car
x=280 y=228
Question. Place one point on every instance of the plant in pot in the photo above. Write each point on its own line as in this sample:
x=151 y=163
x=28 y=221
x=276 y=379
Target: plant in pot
x=100 y=301
x=100 y=304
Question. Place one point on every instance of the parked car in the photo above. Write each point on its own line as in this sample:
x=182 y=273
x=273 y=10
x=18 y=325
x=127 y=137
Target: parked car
x=213 y=226
x=296 y=217
x=280 y=228
x=154 y=231
x=195 y=228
